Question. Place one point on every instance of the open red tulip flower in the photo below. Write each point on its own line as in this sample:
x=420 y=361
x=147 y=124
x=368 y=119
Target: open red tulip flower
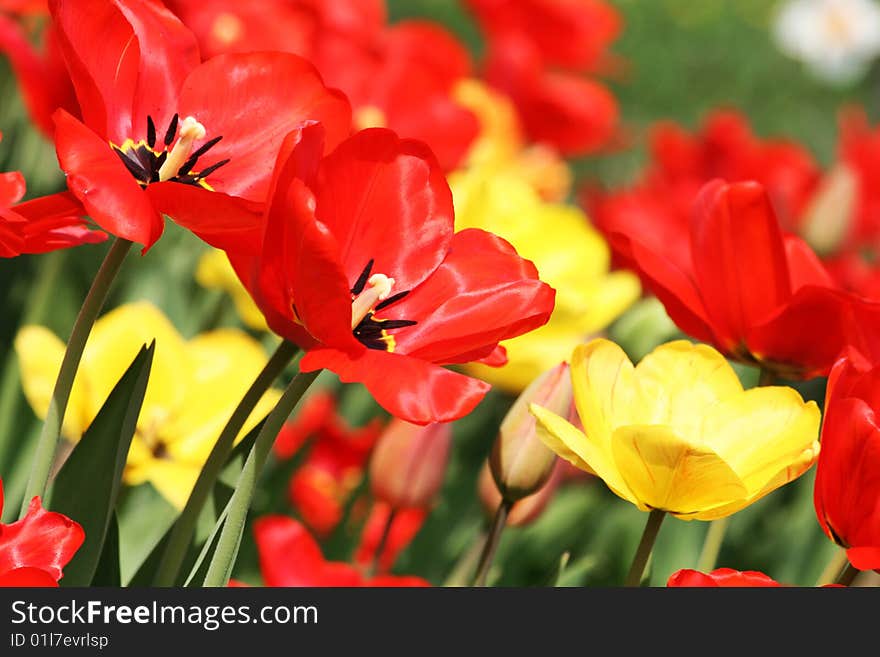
x=35 y=549
x=759 y=295
x=847 y=489
x=290 y=556
x=162 y=133
x=41 y=225
x=721 y=578
x=360 y=266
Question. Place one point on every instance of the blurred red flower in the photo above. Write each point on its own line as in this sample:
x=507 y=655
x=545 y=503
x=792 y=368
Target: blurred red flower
x=290 y=556
x=369 y=230
x=721 y=577
x=405 y=524
x=536 y=53
x=162 y=133
x=35 y=549
x=397 y=76
x=847 y=489
x=334 y=465
x=740 y=283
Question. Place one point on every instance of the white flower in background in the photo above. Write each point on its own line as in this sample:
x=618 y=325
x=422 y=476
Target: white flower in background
x=837 y=39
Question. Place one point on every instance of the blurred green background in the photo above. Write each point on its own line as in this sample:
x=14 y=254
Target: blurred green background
x=683 y=58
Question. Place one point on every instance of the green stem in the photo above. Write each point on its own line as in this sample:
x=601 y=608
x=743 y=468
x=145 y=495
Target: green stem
x=834 y=568
x=377 y=555
x=220 y=568
x=491 y=545
x=181 y=534
x=712 y=544
x=47 y=444
x=847 y=575
x=467 y=562
x=652 y=528
x=767 y=377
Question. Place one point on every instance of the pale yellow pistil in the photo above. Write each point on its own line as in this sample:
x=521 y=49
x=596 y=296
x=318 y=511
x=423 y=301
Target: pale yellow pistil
x=190 y=131
x=378 y=289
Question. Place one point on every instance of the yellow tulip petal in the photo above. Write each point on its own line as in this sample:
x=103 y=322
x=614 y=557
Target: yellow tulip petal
x=679 y=381
x=666 y=472
x=214 y=271
x=40 y=353
x=576 y=448
x=761 y=431
x=603 y=382
x=114 y=342
x=792 y=471
x=174 y=480
x=608 y=299
x=224 y=364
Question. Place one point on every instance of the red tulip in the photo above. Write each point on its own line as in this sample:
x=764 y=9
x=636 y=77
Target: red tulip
x=721 y=577
x=35 y=549
x=760 y=296
x=847 y=489
x=162 y=133
x=360 y=266
x=53 y=222
x=660 y=204
x=289 y=556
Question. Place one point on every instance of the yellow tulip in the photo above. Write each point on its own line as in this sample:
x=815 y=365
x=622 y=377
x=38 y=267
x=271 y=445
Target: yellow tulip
x=678 y=433
x=214 y=271
x=570 y=255
x=194 y=386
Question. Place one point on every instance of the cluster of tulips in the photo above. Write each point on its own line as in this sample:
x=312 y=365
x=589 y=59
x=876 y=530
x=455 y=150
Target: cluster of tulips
x=382 y=209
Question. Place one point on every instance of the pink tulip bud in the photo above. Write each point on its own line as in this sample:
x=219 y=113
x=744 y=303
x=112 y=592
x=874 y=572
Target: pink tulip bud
x=526 y=510
x=409 y=463
x=520 y=462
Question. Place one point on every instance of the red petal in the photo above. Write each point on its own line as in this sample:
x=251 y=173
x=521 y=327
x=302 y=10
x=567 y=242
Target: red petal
x=99 y=179
x=253 y=101
x=808 y=334
x=397 y=581
x=386 y=199
x=43 y=80
x=406 y=387
x=42 y=539
x=299 y=275
x=848 y=475
x=288 y=554
x=739 y=258
x=804 y=265
x=721 y=577
x=11 y=237
x=864 y=558
x=482 y=293
x=12 y=188
x=55 y=222
x=223 y=221
x=404 y=527
x=127 y=59
x=31 y=577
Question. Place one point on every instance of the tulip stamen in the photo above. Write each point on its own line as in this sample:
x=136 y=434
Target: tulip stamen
x=369 y=294
x=151 y=161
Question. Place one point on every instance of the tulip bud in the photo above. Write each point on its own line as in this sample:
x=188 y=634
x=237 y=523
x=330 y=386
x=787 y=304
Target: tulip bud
x=409 y=463
x=526 y=510
x=520 y=462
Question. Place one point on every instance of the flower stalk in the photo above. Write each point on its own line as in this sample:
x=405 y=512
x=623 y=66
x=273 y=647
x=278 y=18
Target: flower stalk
x=47 y=444
x=643 y=552
x=492 y=541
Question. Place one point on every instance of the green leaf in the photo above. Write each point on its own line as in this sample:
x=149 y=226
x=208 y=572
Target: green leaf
x=108 y=572
x=87 y=486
